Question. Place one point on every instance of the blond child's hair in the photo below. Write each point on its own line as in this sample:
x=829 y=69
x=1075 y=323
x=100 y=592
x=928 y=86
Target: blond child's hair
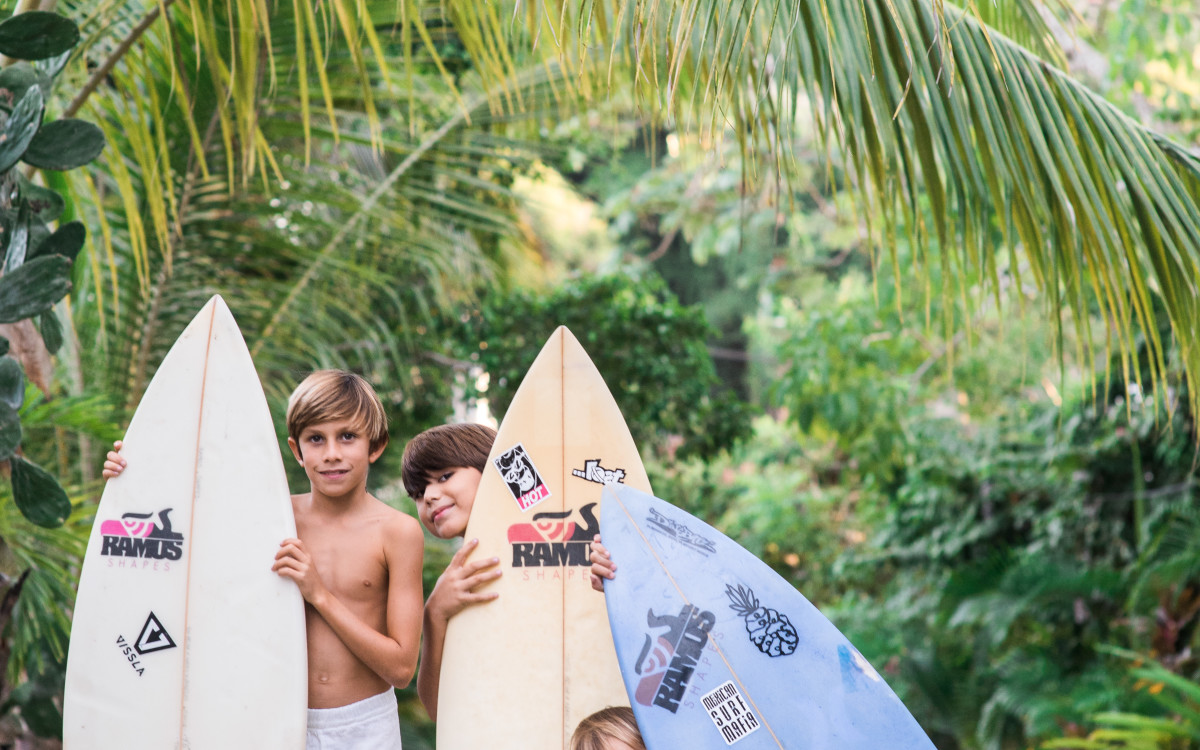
x=329 y=395
x=441 y=447
x=606 y=725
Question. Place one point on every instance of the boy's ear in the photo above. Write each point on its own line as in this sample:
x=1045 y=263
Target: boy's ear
x=296 y=450
x=377 y=451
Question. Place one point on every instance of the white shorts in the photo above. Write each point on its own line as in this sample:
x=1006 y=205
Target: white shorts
x=370 y=724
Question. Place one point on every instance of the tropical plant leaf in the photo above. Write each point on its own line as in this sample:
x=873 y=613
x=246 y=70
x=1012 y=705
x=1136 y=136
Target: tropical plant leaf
x=38 y=494
x=64 y=144
x=45 y=204
x=12 y=382
x=18 y=239
x=36 y=35
x=17 y=79
x=22 y=126
x=10 y=429
x=51 y=330
x=34 y=287
x=66 y=241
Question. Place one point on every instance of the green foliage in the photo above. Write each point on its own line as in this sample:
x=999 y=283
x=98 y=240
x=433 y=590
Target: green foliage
x=38 y=556
x=1170 y=721
x=649 y=349
x=37 y=35
x=1016 y=551
x=37 y=262
x=763 y=494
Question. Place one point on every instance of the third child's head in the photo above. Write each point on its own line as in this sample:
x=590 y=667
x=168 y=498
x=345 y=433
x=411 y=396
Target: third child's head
x=441 y=470
x=612 y=728
x=336 y=429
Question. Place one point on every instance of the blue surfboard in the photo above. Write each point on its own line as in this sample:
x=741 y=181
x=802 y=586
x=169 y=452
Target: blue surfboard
x=717 y=650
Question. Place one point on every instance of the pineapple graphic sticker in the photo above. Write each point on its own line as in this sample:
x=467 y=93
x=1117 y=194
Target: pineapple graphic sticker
x=769 y=630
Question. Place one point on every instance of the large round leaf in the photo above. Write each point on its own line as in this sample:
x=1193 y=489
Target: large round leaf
x=21 y=127
x=39 y=496
x=36 y=35
x=64 y=144
x=16 y=80
x=12 y=382
x=45 y=204
x=33 y=288
x=66 y=241
x=10 y=430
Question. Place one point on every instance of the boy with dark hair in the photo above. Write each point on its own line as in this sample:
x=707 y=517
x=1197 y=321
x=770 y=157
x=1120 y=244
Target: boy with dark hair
x=441 y=470
x=356 y=561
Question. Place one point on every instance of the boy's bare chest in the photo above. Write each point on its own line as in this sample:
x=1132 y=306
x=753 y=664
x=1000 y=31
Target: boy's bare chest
x=350 y=560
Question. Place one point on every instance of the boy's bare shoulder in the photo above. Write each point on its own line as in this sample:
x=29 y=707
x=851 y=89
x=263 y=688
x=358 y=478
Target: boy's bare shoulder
x=398 y=526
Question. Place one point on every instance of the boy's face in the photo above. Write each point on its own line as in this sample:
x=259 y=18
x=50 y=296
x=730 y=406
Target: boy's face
x=446 y=504
x=336 y=456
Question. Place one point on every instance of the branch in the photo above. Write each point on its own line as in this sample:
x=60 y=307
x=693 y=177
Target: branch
x=100 y=73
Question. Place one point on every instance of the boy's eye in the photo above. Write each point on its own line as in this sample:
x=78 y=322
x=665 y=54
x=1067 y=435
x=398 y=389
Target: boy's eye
x=445 y=476
x=348 y=436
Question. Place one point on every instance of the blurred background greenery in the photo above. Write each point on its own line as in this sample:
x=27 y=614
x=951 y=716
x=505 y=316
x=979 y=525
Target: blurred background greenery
x=975 y=453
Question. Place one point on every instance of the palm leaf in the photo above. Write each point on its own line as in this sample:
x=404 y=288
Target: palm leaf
x=947 y=125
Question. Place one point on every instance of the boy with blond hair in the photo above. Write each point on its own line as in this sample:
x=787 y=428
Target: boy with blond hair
x=356 y=561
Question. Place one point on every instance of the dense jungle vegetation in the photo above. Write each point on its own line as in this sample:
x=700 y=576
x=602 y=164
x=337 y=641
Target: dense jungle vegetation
x=900 y=296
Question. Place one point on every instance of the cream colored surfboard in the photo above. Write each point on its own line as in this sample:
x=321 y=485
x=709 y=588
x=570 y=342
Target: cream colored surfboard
x=519 y=673
x=182 y=636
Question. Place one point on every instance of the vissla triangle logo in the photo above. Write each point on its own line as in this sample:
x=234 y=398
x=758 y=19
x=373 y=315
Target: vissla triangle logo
x=154 y=637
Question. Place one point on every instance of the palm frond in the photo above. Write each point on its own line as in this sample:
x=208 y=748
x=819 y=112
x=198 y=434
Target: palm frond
x=948 y=127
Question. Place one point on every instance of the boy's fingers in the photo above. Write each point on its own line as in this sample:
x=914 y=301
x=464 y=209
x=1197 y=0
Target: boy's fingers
x=482 y=576
x=460 y=557
x=478 y=565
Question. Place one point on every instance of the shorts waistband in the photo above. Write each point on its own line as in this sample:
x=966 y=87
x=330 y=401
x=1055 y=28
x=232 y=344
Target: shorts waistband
x=354 y=713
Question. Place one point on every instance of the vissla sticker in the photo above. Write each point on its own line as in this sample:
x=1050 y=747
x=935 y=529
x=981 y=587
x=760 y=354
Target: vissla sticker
x=154 y=637
x=730 y=713
x=522 y=477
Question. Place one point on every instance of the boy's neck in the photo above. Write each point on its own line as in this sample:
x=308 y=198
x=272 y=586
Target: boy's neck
x=339 y=503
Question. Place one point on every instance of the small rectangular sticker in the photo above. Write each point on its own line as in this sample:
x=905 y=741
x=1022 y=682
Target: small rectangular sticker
x=730 y=713
x=522 y=477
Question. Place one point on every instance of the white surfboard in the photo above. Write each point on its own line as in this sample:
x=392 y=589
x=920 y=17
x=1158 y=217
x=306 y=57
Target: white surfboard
x=520 y=672
x=182 y=635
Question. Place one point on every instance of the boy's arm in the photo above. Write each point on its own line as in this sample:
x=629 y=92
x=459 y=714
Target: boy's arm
x=392 y=656
x=452 y=593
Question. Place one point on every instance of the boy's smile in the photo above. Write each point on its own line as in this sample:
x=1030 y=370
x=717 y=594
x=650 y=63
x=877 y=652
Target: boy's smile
x=335 y=456
x=446 y=504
